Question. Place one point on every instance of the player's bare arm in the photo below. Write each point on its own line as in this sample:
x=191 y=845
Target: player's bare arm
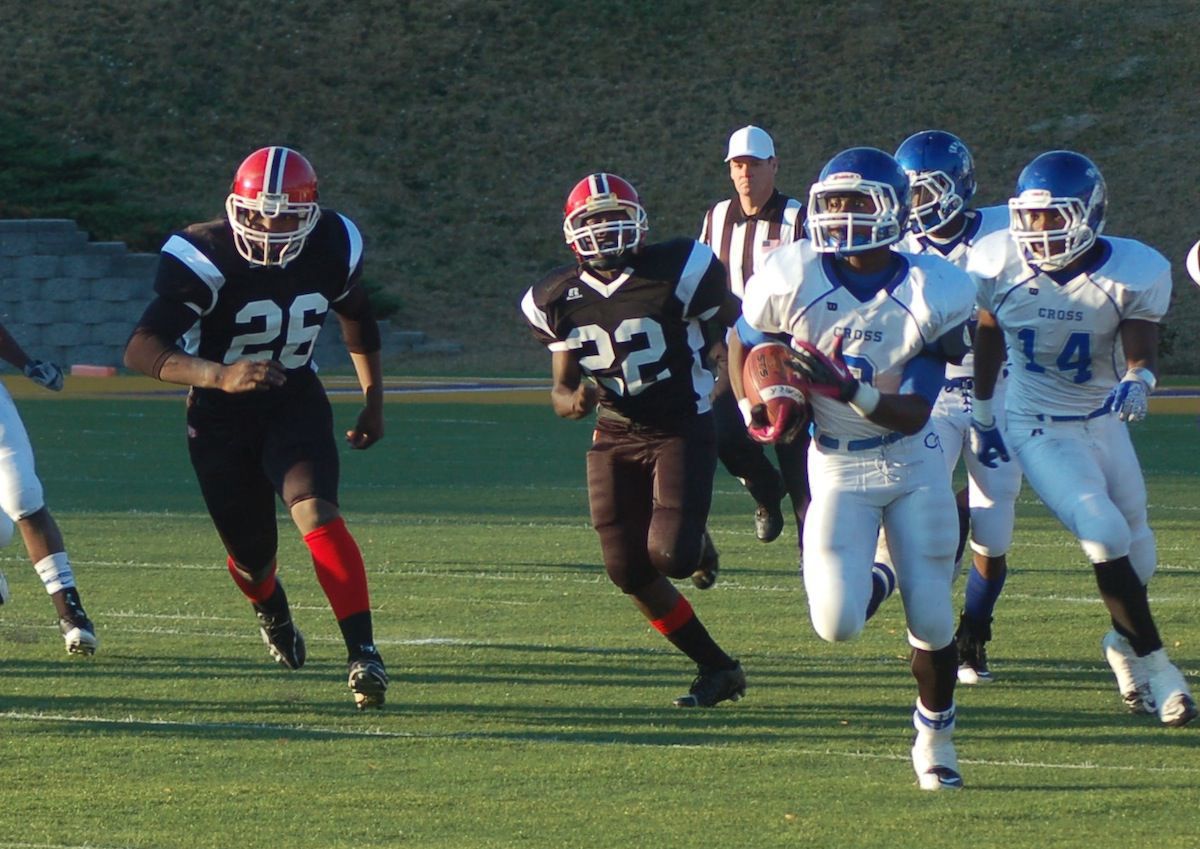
x=1139 y=338
x=368 y=429
x=572 y=396
x=989 y=355
x=360 y=331
x=737 y=360
x=11 y=351
x=717 y=350
x=152 y=355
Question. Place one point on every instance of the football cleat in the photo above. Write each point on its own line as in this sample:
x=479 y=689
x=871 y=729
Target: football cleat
x=713 y=686
x=283 y=639
x=79 y=634
x=972 y=638
x=1176 y=707
x=1133 y=680
x=5 y=595
x=768 y=522
x=710 y=564
x=368 y=681
x=934 y=757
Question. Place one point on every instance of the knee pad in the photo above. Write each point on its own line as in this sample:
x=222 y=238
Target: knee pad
x=26 y=501
x=7 y=526
x=1101 y=529
x=1143 y=554
x=676 y=558
x=992 y=529
x=838 y=625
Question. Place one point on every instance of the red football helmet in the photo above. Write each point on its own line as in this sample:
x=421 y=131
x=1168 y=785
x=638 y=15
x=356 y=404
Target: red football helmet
x=272 y=205
x=603 y=217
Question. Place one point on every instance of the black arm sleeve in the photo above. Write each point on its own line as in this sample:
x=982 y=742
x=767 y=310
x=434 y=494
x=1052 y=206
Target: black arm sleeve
x=360 y=330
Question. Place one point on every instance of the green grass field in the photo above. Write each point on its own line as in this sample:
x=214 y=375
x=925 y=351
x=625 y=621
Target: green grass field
x=530 y=705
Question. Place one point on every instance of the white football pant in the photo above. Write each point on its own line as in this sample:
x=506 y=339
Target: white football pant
x=1087 y=474
x=20 y=490
x=991 y=493
x=905 y=488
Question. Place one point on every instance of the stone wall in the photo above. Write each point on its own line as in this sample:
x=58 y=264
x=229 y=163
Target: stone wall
x=74 y=301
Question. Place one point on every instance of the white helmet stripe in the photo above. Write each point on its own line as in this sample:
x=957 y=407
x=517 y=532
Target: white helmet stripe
x=599 y=184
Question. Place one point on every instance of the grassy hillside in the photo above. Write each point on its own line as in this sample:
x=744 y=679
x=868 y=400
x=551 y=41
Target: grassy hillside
x=452 y=130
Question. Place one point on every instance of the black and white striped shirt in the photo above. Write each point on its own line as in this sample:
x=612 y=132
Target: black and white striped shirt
x=741 y=242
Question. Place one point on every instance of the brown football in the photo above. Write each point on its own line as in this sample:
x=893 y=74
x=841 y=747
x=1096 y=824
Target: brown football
x=779 y=410
x=766 y=376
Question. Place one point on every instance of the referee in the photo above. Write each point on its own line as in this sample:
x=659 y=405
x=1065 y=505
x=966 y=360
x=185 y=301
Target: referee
x=742 y=230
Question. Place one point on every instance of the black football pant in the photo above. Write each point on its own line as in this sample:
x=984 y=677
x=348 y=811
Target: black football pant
x=248 y=451
x=650 y=492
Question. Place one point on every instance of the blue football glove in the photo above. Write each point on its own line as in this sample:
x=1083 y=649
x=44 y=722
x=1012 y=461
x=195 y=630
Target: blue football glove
x=45 y=374
x=1129 y=400
x=987 y=443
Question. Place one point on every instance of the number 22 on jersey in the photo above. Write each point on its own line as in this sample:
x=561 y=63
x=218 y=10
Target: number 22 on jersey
x=634 y=364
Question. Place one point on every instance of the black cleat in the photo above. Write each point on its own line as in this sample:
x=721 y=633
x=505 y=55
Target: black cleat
x=79 y=634
x=77 y=629
x=972 y=639
x=713 y=686
x=710 y=564
x=284 y=640
x=768 y=522
x=368 y=680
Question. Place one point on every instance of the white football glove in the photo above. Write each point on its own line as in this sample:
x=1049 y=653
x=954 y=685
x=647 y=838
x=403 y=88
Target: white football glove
x=45 y=373
x=1129 y=399
x=985 y=440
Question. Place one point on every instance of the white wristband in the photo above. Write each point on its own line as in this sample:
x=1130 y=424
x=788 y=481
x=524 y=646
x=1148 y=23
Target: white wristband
x=1144 y=375
x=981 y=411
x=745 y=406
x=865 y=400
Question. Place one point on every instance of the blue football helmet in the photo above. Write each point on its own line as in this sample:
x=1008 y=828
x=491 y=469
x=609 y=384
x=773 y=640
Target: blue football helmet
x=860 y=170
x=1070 y=185
x=942 y=173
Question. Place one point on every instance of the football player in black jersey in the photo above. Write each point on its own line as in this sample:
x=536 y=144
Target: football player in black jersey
x=628 y=326
x=246 y=295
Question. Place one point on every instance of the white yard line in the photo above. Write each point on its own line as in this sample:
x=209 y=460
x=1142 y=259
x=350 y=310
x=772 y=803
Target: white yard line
x=522 y=739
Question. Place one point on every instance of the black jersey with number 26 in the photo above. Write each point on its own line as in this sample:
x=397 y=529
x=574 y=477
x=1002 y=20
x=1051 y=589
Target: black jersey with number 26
x=255 y=312
x=639 y=334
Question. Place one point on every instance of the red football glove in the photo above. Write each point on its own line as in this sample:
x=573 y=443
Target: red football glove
x=821 y=373
x=779 y=420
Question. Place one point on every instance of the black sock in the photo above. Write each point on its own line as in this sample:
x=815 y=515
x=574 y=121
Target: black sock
x=276 y=604
x=1128 y=604
x=358 y=634
x=936 y=673
x=964 y=530
x=693 y=639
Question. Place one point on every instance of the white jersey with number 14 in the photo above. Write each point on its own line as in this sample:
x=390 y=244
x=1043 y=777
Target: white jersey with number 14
x=1064 y=346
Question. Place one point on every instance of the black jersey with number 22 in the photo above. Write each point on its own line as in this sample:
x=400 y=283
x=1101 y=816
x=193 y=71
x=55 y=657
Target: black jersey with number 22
x=639 y=333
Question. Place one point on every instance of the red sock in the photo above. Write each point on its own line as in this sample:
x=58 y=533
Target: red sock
x=257 y=593
x=340 y=569
x=679 y=616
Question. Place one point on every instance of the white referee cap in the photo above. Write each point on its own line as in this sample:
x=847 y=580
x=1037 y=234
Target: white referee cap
x=750 y=141
x=1193 y=263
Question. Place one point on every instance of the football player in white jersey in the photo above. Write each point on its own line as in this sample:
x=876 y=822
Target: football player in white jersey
x=869 y=328
x=1071 y=306
x=1193 y=263
x=943 y=223
x=23 y=506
